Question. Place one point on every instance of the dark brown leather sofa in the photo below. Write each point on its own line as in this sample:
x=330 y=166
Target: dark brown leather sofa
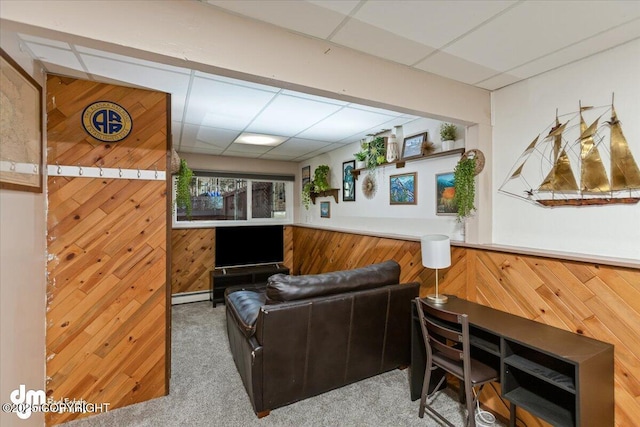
x=305 y=335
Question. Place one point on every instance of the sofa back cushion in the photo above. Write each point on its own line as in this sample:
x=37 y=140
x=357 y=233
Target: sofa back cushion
x=283 y=287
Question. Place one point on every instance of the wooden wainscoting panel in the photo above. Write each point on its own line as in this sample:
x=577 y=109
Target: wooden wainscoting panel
x=602 y=302
x=107 y=327
x=192 y=258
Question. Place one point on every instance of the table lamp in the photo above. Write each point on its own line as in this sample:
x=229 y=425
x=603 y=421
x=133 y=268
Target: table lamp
x=436 y=253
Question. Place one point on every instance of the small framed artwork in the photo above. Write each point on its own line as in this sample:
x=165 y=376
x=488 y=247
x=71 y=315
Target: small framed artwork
x=306 y=175
x=445 y=192
x=348 y=183
x=412 y=146
x=403 y=189
x=325 y=209
x=21 y=129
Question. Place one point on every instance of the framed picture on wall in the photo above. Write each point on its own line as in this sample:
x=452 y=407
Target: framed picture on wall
x=21 y=129
x=403 y=189
x=412 y=146
x=306 y=175
x=325 y=209
x=348 y=183
x=445 y=192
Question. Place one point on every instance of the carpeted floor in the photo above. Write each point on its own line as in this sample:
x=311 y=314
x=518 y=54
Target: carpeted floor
x=206 y=390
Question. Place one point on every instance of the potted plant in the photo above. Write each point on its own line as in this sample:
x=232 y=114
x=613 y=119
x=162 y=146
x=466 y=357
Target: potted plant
x=319 y=183
x=448 y=135
x=361 y=159
x=183 y=191
x=465 y=188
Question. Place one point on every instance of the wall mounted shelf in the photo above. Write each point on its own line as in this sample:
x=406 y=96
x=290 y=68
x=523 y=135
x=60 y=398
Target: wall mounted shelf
x=326 y=193
x=401 y=163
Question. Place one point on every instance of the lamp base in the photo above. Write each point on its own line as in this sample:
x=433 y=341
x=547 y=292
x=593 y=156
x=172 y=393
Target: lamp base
x=437 y=299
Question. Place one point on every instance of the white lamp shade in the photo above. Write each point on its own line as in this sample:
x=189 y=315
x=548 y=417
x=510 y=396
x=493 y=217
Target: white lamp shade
x=436 y=251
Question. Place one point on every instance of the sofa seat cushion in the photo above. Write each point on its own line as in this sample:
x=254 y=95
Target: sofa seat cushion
x=283 y=287
x=244 y=306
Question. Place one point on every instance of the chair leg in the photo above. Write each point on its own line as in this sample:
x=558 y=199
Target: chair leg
x=425 y=391
x=471 y=419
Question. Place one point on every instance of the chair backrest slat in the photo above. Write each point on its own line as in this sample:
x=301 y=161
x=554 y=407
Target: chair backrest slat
x=445 y=330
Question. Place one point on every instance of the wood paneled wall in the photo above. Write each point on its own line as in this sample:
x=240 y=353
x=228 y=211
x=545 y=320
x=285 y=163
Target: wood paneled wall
x=107 y=336
x=602 y=302
x=193 y=257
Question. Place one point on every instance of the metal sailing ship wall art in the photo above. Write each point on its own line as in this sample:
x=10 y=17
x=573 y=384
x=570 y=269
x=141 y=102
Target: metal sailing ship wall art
x=581 y=159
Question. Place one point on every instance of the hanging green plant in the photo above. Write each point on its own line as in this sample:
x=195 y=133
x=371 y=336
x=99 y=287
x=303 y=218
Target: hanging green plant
x=465 y=187
x=319 y=183
x=321 y=178
x=183 y=192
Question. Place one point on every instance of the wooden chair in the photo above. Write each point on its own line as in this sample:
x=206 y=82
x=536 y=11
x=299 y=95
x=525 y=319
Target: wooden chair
x=446 y=338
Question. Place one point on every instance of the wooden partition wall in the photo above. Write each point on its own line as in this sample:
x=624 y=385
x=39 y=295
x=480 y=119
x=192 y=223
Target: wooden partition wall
x=193 y=257
x=107 y=336
x=599 y=301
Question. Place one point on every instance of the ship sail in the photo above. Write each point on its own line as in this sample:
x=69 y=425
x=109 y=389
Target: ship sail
x=571 y=167
x=593 y=177
x=625 y=174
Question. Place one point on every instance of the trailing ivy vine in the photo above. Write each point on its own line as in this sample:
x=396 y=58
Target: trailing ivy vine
x=465 y=185
x=183 y=193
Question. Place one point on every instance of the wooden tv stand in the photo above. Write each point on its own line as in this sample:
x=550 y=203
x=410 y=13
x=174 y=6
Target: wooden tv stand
x=222 y=278
x=561 y=377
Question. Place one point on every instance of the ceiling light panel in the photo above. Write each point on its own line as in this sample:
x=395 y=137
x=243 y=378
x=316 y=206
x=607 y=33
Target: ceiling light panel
x=288 y=115
x=223 y=105
x=259 y=139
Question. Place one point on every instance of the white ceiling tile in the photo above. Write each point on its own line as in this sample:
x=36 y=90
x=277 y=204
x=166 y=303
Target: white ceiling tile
x=498 y=81
x=535 y=28
x=288 y=116
x=432 y=23
x=241 y=149
x=143 y=76
x=314 y=97
x=347 y=121
x=601 y=42
x=233 y=81
x=131 y=60
x=65 y=71
x=343 y=7
x=223 y=105
x=300 y=16
x=47 y=42
x=55 y=55
x=299 y=146
x=380 y=42
x=456 y=68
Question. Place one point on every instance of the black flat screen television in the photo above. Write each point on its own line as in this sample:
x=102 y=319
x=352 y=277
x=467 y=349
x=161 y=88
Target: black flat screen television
x=249 y=245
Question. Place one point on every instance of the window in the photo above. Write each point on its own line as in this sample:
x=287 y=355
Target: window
x=236 y=197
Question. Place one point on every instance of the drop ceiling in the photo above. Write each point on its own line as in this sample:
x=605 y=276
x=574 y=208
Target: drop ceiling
x=488 y=44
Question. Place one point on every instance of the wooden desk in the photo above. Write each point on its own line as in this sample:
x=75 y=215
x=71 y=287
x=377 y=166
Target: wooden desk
x=561 y=377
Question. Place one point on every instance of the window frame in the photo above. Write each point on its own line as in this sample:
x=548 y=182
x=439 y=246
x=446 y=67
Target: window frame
x=288 y=180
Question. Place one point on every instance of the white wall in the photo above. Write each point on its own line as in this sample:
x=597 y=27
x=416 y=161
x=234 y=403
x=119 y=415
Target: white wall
x=22 y=288
x=225 y=44
x=525 y=109
x=377 y=214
